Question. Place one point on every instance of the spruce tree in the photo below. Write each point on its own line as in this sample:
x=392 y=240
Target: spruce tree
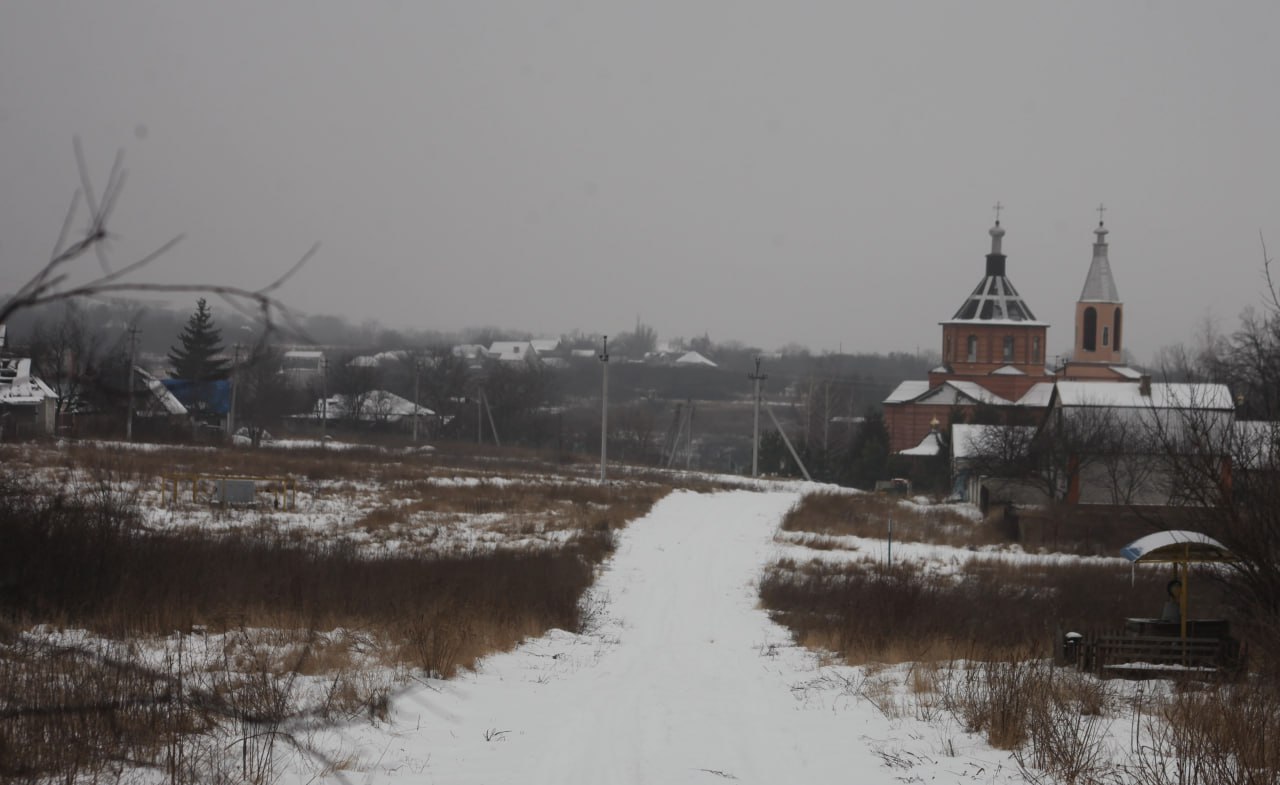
x=195 y=359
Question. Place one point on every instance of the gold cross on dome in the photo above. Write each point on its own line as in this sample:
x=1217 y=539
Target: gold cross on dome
x=998 y=207
x=1102 y=208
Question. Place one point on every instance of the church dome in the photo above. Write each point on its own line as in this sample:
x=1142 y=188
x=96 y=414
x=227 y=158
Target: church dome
x=995 y=299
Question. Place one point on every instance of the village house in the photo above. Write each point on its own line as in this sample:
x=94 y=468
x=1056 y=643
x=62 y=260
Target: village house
x=28 y=406
x=514 y=352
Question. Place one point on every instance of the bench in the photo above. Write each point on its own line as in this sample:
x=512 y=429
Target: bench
x=1145 y=656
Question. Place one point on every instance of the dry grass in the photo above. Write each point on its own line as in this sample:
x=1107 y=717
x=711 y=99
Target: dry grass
x=1221 y=735
x=978 y=641
x=86 y=561
x=871 y=613
x=588 y=505
x=206 y=709
x=867 y=515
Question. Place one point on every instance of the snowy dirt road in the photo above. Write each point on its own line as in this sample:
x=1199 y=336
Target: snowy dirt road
x=682 y=680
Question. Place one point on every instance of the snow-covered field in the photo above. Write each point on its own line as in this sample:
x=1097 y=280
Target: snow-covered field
x=679 y=677
x=681 y=680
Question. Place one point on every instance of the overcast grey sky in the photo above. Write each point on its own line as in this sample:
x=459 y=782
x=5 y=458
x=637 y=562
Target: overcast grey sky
x=769 y=172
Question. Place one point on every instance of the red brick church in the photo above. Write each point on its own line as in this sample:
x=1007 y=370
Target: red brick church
x=993 y=353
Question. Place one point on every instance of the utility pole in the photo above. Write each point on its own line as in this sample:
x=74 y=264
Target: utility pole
x=493 y=426
x=235 y=383
x=417 y=368
x=756 y=377
x=688 y=438
x=787 y=442
x=604 y=410
x=826 y=416
x=133 y=353
x=324 y=400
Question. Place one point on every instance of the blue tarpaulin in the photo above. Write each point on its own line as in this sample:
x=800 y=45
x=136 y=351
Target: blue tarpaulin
x=201 y=397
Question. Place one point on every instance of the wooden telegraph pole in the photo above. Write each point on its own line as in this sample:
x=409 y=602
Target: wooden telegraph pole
x=133 y=354
x=604 y=410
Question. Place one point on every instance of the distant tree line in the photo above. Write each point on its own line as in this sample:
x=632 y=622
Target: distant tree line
x=829 y=403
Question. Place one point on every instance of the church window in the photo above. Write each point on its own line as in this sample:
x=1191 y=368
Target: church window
x=1089 y=341
x=1116 y=344
x=1106 y=335
x=973 y=348
x=1035 y=349
x=1008 y=348
x=946 y=350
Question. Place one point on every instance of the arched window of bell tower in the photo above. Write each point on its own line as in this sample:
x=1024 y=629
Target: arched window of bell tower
x=1090 y=338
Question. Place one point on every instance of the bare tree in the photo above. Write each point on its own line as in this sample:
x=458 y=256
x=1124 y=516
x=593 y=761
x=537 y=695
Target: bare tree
x=263 y=393
x=55 y=281
x=1100 y=448
x=68 y=356
x=636 y=344
x=355 y=381
x=635 y=431
x=1228 y=469
x=1230 y=475
x=1129 y=466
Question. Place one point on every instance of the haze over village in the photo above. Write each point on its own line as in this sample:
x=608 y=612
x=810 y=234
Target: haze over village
x=761 y=174
x=548 y=392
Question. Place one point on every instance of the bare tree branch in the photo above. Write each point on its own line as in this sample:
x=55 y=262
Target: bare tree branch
x=66 y=226
x=50 y=283
x=1266 y=270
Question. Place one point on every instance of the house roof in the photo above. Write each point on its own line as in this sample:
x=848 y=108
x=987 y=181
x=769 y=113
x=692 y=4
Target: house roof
x=695 y=358
x=18 y=387
x=978 y=393
x=208 y=397
x=947 y=393
x=374 y=405
x=544 y=345
x=512 y=351
x=907 y=391
x=1038 y=396
x=1008 y=370
x=1126 y=372
x=931 y=444
x=167 y=400
x=1128 y=395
